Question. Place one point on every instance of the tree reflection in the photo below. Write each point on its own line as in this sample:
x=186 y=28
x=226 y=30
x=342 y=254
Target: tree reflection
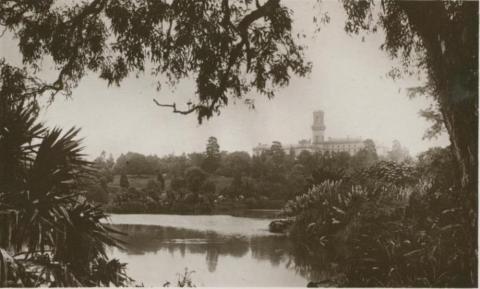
x=272 y=248
x=142 y=239
x=212 y=258
x=277 y=250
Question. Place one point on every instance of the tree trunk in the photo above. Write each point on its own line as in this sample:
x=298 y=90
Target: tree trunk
x=461 y=121
x=451 y=50
x=459 y=108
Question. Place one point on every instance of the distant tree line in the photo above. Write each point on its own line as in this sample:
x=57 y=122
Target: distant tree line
x=218 y=179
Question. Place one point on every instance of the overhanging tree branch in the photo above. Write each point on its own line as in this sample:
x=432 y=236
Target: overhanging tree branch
x=175 y=110
x=235 y=53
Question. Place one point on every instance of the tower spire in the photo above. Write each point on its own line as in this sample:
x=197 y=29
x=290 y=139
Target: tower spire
x=318 y=127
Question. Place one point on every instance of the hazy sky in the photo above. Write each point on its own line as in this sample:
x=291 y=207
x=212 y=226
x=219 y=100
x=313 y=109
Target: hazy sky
x=348 y=82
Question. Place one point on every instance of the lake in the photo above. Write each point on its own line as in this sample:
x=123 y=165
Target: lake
x=222 y=250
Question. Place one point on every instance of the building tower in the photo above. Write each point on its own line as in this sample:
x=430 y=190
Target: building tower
x=318 y=127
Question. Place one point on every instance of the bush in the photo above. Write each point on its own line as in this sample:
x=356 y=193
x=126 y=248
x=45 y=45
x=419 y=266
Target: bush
x=392 y=230
x=195 y=177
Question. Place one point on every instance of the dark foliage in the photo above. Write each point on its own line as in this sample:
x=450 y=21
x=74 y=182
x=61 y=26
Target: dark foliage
x=228 y=47
x=389 y=226
x=53 y=237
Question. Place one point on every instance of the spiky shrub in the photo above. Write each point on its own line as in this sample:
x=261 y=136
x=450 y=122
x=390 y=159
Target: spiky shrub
x=424 y=243
x=388 y=235
x=323 y=210
x=329 y=213
x=57 y=238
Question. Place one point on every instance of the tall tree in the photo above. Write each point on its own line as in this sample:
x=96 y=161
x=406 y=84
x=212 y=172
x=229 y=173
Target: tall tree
x=439 y=38
x=276 y=162
x=277 y=153
x=212 y=152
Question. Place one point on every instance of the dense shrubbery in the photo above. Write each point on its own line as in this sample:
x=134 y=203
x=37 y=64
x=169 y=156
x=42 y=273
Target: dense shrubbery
x=386 y=226
x=154 y=200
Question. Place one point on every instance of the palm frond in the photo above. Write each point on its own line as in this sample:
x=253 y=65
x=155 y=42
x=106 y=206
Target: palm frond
x=51 y=186
x=18 y=133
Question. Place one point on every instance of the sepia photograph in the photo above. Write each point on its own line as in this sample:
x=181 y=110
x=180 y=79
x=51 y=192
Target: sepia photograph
x=239 y=143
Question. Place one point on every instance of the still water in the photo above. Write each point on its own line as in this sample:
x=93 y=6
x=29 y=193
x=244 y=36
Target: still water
x=222 y=250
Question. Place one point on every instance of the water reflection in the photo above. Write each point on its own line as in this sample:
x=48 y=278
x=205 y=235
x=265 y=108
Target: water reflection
x=140 y=240
x=156 y=254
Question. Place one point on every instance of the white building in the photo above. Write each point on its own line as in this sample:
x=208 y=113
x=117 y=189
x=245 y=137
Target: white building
x=318 y=142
